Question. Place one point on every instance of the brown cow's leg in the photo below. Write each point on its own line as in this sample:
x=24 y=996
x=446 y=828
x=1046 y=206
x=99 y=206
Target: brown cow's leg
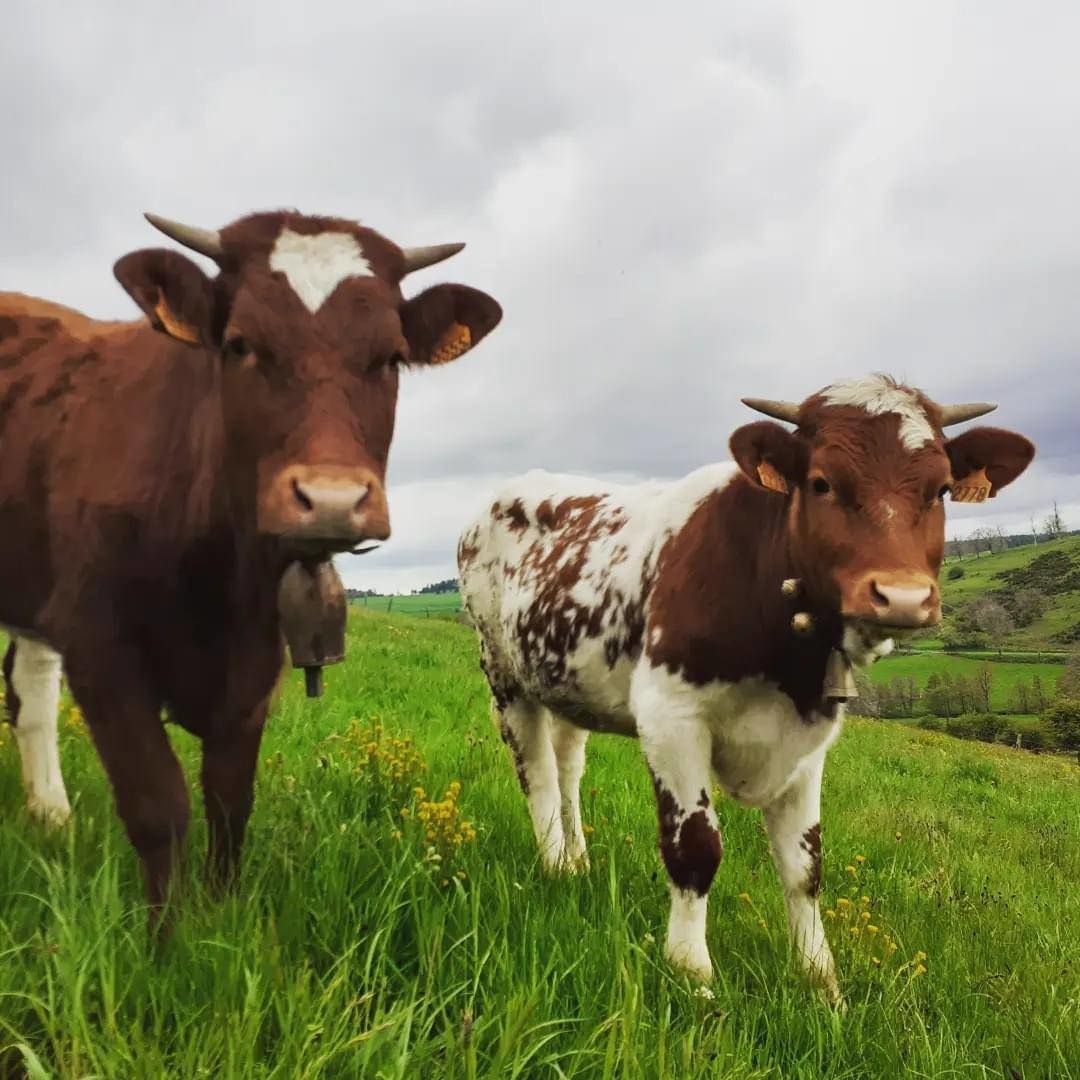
x=794 y=825
x=228 y=781
x=148 y=784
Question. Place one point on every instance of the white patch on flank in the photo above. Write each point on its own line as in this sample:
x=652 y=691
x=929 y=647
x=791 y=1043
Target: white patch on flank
x=316 y=265
x=877 y=395
x=36 y=680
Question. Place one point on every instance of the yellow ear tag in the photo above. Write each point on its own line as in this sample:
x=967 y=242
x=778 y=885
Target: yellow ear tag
x=173 y=326
x=771 y=479
x=974 y=488
x=452 y=344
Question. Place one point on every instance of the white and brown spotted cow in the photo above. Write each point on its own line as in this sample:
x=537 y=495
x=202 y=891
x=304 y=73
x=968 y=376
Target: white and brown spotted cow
x=717 y=618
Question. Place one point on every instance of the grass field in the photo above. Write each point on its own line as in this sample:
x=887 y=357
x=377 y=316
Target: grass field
x=1006 y=675
x=426 y=604
x=350 y=951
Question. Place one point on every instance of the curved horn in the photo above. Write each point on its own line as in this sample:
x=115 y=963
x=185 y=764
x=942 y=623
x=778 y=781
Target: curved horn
x=779 y=410
x=957 y=414
x=204 y=241
x=418 y=257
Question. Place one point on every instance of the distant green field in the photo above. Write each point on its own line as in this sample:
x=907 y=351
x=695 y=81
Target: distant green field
x=429 y=604
x=1006 y=675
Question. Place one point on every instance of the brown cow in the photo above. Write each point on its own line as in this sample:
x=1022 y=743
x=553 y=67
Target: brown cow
x=717 y=618
x=157 y=477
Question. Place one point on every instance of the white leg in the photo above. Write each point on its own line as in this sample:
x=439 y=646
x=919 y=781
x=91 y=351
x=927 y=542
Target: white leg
x=526 y=730
x=35 y=681
x=569 y=742
x=679 y=755
x=794 y=826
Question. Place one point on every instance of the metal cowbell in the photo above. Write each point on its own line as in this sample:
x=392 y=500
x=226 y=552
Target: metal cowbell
x=313 y=610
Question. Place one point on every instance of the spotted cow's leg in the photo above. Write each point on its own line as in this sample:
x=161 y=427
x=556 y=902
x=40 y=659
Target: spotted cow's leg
x=569 y=741
x=678 y=750
x=32 y=675
x=526 y=730
x=794 y=825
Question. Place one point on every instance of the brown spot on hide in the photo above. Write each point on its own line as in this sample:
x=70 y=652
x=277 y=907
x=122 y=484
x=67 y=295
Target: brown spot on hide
x=553 y=624
x=690 y=845
x=811 y=844
x=511 y=741
x=12 y=702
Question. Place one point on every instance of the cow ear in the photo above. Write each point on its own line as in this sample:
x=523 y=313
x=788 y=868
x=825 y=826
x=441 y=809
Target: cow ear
x=984 y=460
x=175 y=294
x=770 y=455
x=446 y=321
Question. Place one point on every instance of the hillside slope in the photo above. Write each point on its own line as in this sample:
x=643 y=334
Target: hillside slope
x=1052 y=567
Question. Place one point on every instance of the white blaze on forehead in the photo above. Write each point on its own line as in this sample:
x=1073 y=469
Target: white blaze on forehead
x=316 y=265
x=878 y=395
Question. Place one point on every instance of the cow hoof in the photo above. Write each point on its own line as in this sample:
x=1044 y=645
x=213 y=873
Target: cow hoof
x=576 y=864
x=694 y=963
x=52 y=813
x=830 y=994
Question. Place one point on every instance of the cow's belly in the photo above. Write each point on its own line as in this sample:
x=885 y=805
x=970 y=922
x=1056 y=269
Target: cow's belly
x=580 y=685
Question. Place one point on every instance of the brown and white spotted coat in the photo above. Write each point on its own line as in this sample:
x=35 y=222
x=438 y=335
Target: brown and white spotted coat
x=656 y=610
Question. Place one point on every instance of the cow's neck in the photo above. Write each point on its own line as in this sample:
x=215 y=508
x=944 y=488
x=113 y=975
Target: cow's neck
x=719 y=605
x=198 y=516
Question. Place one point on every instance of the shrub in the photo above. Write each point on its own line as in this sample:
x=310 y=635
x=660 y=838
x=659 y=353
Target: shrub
x=956 y=573
x=931 y=723
x=1033 y=734
x=981 y=726
x=1063 y=716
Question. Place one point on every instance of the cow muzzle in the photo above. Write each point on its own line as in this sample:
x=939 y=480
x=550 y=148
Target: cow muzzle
x=326 y=509
x=895 y=601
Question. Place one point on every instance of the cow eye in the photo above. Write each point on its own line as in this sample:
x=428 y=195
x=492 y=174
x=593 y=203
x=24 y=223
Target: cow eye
x=821 y=485
x=236 y=348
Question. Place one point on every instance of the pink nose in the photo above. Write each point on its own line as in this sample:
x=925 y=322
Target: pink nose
x=337 y=507
x=908 y=604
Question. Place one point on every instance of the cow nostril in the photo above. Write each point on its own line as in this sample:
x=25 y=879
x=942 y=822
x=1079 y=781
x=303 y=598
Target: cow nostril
x=301 y=498
x=364 y=491
x=877 y=597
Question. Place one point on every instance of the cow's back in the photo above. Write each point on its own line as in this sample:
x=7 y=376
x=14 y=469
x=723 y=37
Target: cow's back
x=556 y=576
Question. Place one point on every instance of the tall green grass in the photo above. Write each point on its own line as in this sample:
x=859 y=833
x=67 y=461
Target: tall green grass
x=349 y=950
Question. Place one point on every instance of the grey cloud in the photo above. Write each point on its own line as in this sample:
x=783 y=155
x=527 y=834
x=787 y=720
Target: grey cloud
x=674 y=209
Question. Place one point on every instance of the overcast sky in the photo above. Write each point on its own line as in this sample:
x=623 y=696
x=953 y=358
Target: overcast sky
x=675 y=209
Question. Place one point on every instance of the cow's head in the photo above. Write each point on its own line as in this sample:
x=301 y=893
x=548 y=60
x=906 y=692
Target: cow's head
x=309 y=328
x=866 y=471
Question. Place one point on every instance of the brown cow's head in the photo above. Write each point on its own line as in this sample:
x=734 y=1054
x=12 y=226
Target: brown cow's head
x=309 y=326
x=866 y=472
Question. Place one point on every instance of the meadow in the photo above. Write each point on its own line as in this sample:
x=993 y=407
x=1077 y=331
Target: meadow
x=391 y=919
x=1005 y=674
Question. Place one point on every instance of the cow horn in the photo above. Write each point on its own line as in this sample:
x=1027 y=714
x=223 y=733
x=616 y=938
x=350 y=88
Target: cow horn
x=418 y=257
x=957 y=414
x=779 y=410
x=204 y=241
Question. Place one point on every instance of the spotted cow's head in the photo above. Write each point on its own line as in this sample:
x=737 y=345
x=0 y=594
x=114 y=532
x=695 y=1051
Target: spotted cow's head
x=309 y=329
x=866 y=472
